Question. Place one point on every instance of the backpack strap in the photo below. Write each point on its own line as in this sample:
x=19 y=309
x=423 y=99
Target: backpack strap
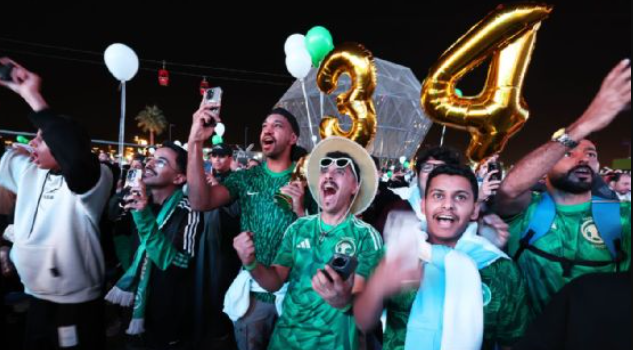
x=607 y=214
x=540 y=224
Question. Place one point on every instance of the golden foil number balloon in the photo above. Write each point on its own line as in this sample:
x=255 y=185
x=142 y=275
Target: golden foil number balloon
x=508 y=37
x=358 y=63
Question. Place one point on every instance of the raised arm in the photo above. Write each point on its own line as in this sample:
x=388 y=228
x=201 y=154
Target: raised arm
x=615 y=95
x=67 y=141
x=202 y=196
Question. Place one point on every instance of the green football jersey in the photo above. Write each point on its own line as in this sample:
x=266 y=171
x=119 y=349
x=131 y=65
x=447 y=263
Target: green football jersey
x=574 y=235
x=308 y=322
x=506 y=314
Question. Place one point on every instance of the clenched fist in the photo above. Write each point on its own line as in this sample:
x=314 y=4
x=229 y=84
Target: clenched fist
x=245 y=247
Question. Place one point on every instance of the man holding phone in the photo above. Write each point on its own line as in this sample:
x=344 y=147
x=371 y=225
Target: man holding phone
x=159 y=283
x=61 y=192
x=318 y=255
x=254 y=190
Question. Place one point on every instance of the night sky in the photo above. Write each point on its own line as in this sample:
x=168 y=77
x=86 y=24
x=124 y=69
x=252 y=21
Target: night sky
x=576 y=48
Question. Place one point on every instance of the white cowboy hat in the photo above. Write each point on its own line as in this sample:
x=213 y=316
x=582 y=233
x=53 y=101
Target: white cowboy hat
x=368 y=172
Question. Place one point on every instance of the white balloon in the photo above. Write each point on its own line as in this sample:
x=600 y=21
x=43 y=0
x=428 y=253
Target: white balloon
x=178 y=143
x=121 y=61
x=152 y=151
x=299 y=64
x=315 y=139
x=220 y=129
x=295 y=43
x=403 y=160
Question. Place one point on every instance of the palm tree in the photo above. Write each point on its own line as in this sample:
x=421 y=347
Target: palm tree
x=152 y=120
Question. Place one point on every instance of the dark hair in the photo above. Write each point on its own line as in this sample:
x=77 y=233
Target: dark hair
x=339 y=154
x=139 y=157
x=181 y=156
x=456 y=170
x=289 y=117
x=443 y=154
x=297 y=152
x=618 y=176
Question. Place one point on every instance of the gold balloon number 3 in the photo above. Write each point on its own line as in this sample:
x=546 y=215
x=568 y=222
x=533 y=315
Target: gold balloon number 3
x=357 y=103
x=508 y=37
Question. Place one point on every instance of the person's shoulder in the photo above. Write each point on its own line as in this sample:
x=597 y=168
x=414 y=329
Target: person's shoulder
x=185 y=205
x=502 y=270
x=504 y=264
x=365 y=230
x=305 y=221
x=107 y=172
x=537 y=197
x=18 y=159
x=362 y=226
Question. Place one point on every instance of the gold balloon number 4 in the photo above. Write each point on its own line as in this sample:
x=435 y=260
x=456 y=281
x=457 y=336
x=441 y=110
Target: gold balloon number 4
x=357 y=103
x=508 y=37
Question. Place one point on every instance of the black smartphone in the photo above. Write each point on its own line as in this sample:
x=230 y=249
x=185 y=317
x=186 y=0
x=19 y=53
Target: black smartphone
x=345 y=266
x=495 y=166
x=5 y=71
x=132 y=179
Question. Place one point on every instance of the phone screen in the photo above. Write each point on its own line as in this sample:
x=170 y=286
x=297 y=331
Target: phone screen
x=133 y=178
x=213 y=95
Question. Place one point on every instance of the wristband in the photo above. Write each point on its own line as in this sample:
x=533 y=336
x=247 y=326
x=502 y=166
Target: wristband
x=252 y=266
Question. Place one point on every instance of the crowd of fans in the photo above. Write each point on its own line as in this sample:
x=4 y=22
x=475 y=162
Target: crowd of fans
x=187 y=250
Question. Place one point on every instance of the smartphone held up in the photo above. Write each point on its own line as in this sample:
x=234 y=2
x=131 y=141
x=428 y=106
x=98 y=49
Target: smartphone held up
x=132 y=181
x=213 y=96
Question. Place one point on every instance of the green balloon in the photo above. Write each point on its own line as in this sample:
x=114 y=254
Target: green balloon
x=390 y=174
x=23 y=140
x=407 y=165
x=319 y=43
x=459 y=93
x=217 y=140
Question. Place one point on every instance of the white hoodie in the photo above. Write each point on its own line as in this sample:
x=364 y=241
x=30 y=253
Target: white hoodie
x=57 y=251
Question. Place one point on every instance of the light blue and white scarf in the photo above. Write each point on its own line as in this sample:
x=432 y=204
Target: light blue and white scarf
x=448 y=311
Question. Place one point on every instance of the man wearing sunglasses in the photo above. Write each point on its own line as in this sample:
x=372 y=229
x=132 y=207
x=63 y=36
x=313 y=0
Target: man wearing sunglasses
x=159 y=283
x=317 y=309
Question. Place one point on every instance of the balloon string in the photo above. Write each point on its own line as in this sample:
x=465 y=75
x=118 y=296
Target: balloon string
x=322 y=97
x=122 y=123
x=305 y=97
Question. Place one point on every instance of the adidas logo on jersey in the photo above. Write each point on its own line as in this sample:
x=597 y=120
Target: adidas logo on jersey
x=305 y=244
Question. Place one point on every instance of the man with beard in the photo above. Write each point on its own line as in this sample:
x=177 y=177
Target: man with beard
x=317 y=310
x=254 y=190
x=563 y=234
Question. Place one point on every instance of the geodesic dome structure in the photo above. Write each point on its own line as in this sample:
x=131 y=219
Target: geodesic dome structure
x=402 y=124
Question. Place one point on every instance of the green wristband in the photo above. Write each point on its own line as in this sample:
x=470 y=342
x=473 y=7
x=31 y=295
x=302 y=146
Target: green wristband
x=252 y=266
